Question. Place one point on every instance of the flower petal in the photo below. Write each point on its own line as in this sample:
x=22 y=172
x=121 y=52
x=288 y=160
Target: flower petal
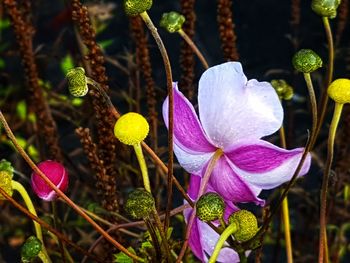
x=230 y=108
x=231 y=186
x=188 y=132
x=265 y=165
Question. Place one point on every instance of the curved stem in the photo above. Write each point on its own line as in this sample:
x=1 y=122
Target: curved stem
x=143 y=166
x=38 y=232
x=61 y=194
x=323 y=209
x=169 y=81
x=43 y=257
x=231 y=229
x=324 y=97
x=313 y=103
x=194 y=48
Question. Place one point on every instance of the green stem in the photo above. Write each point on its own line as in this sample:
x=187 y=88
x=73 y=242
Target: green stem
x=28 y=202
x=231 y=229
x=324 y=97
x=43 y=257
x=194 y=48
x=313 y=103
x=143 y=166
x=169 y=81
x=330 y=152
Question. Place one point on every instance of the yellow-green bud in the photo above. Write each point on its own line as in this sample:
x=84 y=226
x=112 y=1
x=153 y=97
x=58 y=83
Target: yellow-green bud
x=326 y=8
x=209 y=207
x=172 y=21
x=136 y=7
x=77 y=82
x=339 y=91
x=6 y=183
x=6 y=166
x=131 y=128
x=306 y=61
x=247 y=225
x=283 y=89
x=30 y=249
x=139 y=204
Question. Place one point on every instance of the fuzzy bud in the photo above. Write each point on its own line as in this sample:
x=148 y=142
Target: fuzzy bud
x=209 y=207
x=247 y=225
x=325 y=8
x=139 y=204
x=131 y=128
x=30 y=249
x=77 y=82
x=306 y=61
x=6 y=183
x=172 y=21
x=6 y=166
x=339 y=91
x=57 y=175
x=283 y=89
x=136 y=7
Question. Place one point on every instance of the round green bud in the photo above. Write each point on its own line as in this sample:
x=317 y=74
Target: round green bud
x=77 y=82
x=339 y=91
x=131 y=128
x=306 y=61
x=30 y=249
x=136 y=7
x=139 y=204
x=209 y=207
x=247 y=225
x=283 y=89
x=7 y=167
x=172 y=21
x=6 y=183
x=325 y=8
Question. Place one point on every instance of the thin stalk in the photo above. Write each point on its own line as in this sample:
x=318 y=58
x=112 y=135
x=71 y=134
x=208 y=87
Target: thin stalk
x=28 y=202
x=324 y=190
x=202 y=187
x=329 y=77
x=231 y=229
x=60 y=193
x=169 y=81
x=143 y=167
x=194 y=48
x=313 y=103
x=43 y=257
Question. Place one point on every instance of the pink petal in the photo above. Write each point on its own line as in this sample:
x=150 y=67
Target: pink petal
x=231 y=186
x=265 y=165
x=188 y=132
x=230 y=108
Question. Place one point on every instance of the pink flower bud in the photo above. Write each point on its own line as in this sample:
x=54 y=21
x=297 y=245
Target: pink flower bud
x=56 y=173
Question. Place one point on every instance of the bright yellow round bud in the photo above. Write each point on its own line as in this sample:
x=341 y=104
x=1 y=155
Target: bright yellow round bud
x=339 y=91
x=5 y=183
x=131 y=128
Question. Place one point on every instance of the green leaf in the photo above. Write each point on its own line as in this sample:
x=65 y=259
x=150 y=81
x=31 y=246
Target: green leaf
x=2 y=63
x=77 y=102
x=105 y=43
x=67 y=63
x=4 y=23
x=21 y=110
x=121 y=257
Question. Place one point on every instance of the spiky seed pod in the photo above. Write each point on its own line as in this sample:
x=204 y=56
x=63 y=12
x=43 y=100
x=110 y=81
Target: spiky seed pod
x=136 y=7
x=131 y=128
x=283 y=89
x=77 y=82
x=5 y=183
x=139 y=204
x=209 y=207
x=30 y=249
x=339 y=91
x=172 y=21
x=306 y=61
x=325 y=8
x=247 y=225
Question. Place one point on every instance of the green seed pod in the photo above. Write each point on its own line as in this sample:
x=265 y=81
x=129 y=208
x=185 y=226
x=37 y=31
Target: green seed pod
x=325 y=8
x=6 y=183
x=247 y=225
x=209 y=207
x=77 y=82
x=136 y=7
x=172 y=21
x=139 y=204
x=6 y=166
x=339 y=91
x=30 y=249
x=306 y=61
x=283 y=89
